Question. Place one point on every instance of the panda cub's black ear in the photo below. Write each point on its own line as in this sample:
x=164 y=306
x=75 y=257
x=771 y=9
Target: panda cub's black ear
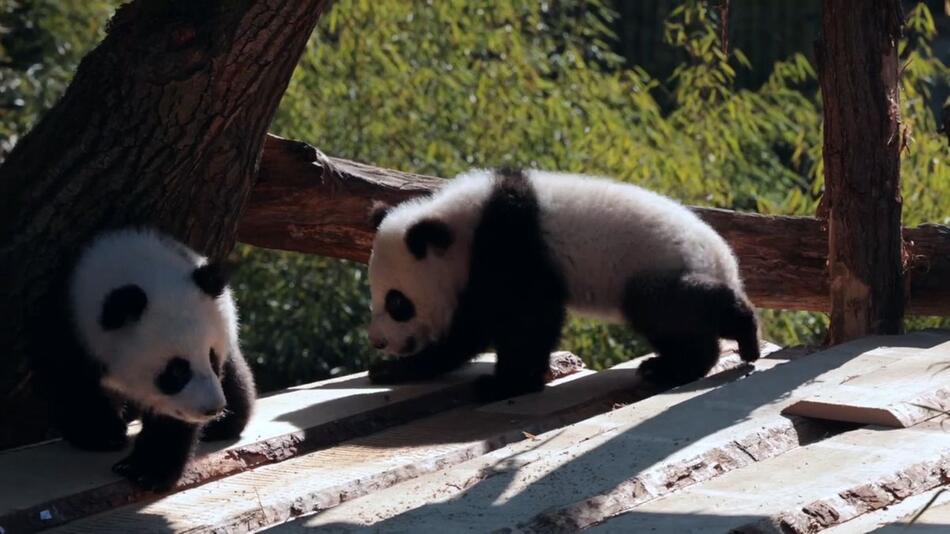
x=377 y=212
x=213 y=277
x=426 y=234
x=123 y=305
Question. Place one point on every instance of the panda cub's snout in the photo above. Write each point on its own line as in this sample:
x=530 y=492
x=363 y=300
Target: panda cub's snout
x=202 y=399
x=394 y=338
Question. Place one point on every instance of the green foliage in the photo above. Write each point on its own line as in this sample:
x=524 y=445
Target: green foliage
x=302 y=317
x=456 y=84
x=41 y=42
x=925 y=171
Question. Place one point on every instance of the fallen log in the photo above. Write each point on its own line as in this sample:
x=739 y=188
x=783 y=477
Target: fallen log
x=307 y=202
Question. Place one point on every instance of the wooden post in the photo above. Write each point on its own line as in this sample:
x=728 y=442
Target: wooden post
x=858 y=71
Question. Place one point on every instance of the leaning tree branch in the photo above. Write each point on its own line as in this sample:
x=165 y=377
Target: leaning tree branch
x=307 y=202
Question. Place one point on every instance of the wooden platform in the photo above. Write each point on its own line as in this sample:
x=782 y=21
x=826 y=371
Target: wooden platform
x=777 y=448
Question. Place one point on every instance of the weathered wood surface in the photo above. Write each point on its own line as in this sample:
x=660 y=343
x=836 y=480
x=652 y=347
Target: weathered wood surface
x=858 y=66
x=324 y=478
x=580 y=476
x=593 y=449
x=804 y=490
x=900 y=394
x=506 y=488
x=66 y=483
x=307 y=202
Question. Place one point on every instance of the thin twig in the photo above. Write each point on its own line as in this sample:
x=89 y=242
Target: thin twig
x=926 y=506
x=724 y=26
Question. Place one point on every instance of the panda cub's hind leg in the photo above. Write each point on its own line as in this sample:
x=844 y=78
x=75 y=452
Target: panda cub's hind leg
x=86 y=416
x=682 y=316
x=89 y=419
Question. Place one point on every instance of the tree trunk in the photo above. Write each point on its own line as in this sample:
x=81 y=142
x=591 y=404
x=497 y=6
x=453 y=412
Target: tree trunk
x=162 y=125
x=858 y=72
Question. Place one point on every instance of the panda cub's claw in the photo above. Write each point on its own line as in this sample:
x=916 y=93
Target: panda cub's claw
x=144 y=475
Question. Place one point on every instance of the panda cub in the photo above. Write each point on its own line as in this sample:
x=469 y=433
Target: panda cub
x=153 y=325
x=496 y=258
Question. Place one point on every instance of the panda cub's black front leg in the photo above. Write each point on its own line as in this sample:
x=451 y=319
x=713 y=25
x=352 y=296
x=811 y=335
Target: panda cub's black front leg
x=523 y=345
x=160 y=454
x=239 y=394
x=424 y=365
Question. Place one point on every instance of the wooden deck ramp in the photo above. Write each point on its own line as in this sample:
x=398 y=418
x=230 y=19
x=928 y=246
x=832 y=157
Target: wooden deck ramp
x=595 y=450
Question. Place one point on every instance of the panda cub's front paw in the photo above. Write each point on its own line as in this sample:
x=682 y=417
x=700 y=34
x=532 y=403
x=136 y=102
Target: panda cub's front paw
x=390 y=372
x=665 y=374
x=228 y=426
x=491 y=388
x=152 y=476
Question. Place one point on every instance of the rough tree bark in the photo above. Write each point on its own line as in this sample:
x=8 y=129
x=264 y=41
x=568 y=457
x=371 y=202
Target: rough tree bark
x=162 y=125
x=858 y=72
x=307 y=202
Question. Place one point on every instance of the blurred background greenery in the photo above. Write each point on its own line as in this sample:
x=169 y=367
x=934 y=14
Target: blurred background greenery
x=644 y=91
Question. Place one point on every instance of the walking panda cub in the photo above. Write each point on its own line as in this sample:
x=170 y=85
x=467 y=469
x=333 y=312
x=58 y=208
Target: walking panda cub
x=152 y=324
x=496 y=258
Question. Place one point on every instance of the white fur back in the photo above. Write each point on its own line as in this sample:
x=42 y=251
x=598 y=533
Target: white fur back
x=604 y=232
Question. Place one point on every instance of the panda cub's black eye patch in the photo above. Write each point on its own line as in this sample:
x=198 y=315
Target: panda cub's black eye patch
x=175 y=377
x=399 y=307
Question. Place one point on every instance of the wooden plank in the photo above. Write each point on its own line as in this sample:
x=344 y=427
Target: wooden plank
x=804 y=490
x=899 y=394
x=308 y=202
x=324 y=478
x=53 y=483
x=895 y=518
x=575 y=477
x=512 y=484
